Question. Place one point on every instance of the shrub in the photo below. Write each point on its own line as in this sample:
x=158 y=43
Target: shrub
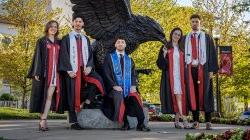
x=7 y=113
x=6 y=97
x=163 y=118
x=234 y=121
x=237 y=134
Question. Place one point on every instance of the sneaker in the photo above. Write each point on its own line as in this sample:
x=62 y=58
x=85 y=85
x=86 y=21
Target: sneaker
x=125 y=127
x=143 y=128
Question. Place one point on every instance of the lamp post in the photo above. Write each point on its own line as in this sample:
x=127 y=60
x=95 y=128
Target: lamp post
x=216 y=36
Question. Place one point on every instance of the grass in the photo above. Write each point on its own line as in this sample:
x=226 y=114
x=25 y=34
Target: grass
x=7 y=113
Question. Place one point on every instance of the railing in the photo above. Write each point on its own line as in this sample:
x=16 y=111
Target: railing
x=9 y=104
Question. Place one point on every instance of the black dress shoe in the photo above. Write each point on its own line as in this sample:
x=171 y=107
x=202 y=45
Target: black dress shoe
x=143 y=128
x=76 y=126
x=125 y=127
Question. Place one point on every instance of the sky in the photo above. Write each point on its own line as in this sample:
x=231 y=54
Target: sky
x=185 y=2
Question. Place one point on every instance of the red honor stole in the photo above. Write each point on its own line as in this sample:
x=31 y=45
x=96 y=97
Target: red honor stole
x=51 y=63
x=171 y=77
x=195 y=55
x=78 y=74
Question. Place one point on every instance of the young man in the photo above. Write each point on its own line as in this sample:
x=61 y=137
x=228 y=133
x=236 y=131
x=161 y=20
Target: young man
x=200 y=63
x=80 y=82
x=120 y=80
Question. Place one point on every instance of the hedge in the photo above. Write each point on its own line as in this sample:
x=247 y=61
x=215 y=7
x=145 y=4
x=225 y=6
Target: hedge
x=234 y=121
x=7 y=113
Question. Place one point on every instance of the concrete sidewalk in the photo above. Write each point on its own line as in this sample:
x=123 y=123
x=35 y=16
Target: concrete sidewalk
x=28 y=130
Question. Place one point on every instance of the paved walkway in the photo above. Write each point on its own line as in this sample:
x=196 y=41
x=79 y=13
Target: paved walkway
x=28 y=130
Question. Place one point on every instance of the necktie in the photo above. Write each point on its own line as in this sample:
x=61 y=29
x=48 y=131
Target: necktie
x=79 y=49
x=194 y=46
x=122 y=63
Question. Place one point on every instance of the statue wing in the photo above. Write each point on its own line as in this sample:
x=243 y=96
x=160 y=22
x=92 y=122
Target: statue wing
x=102 y=17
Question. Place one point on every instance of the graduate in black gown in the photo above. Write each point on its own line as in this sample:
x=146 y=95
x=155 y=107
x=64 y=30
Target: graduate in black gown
x=44 y=74
x=200 y=64
x=172 y=90
x=120 y=82
x=80 y=82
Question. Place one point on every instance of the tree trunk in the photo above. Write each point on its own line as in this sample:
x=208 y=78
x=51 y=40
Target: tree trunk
x=245 y=103
x=24 y=100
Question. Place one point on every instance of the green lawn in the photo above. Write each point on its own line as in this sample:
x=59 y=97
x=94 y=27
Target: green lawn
x=7 y=113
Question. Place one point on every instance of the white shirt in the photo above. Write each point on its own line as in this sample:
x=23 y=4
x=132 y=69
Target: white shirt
x=118 y=53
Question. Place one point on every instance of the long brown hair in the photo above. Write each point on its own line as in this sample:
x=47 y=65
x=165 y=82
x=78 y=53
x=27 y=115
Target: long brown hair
x=48 y=25
x=170 y=43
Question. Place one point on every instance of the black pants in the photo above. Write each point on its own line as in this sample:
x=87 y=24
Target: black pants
x=89 y=92
x=196 y=113
x=134 y=109
x=72 y=117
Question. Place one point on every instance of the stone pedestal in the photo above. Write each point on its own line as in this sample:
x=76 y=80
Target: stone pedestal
x=95 y=119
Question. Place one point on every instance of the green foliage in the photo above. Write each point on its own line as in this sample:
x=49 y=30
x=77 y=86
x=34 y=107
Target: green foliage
x=216 y=120
x=242 y=6
x=29 y=17
x=236 y=134
x=7 y=97
x=162 y=118
x=232 y=121
x=195 y=136
x=7 y=113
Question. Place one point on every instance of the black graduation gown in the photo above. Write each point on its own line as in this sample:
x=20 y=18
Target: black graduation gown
x=39 y=68
x=109 y=77
x=110 y=81
x=68 y=84
x=210 y=66
x=165 y=96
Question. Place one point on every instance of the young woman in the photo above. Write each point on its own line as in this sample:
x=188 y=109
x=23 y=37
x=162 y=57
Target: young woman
x=45 y=92
x=172 y=91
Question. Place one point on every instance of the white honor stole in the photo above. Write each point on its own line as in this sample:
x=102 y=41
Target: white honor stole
x=73 y=50
x=201 y=47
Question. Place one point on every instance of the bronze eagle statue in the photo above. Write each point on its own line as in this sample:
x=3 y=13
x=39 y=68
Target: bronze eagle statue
x=106 y=19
